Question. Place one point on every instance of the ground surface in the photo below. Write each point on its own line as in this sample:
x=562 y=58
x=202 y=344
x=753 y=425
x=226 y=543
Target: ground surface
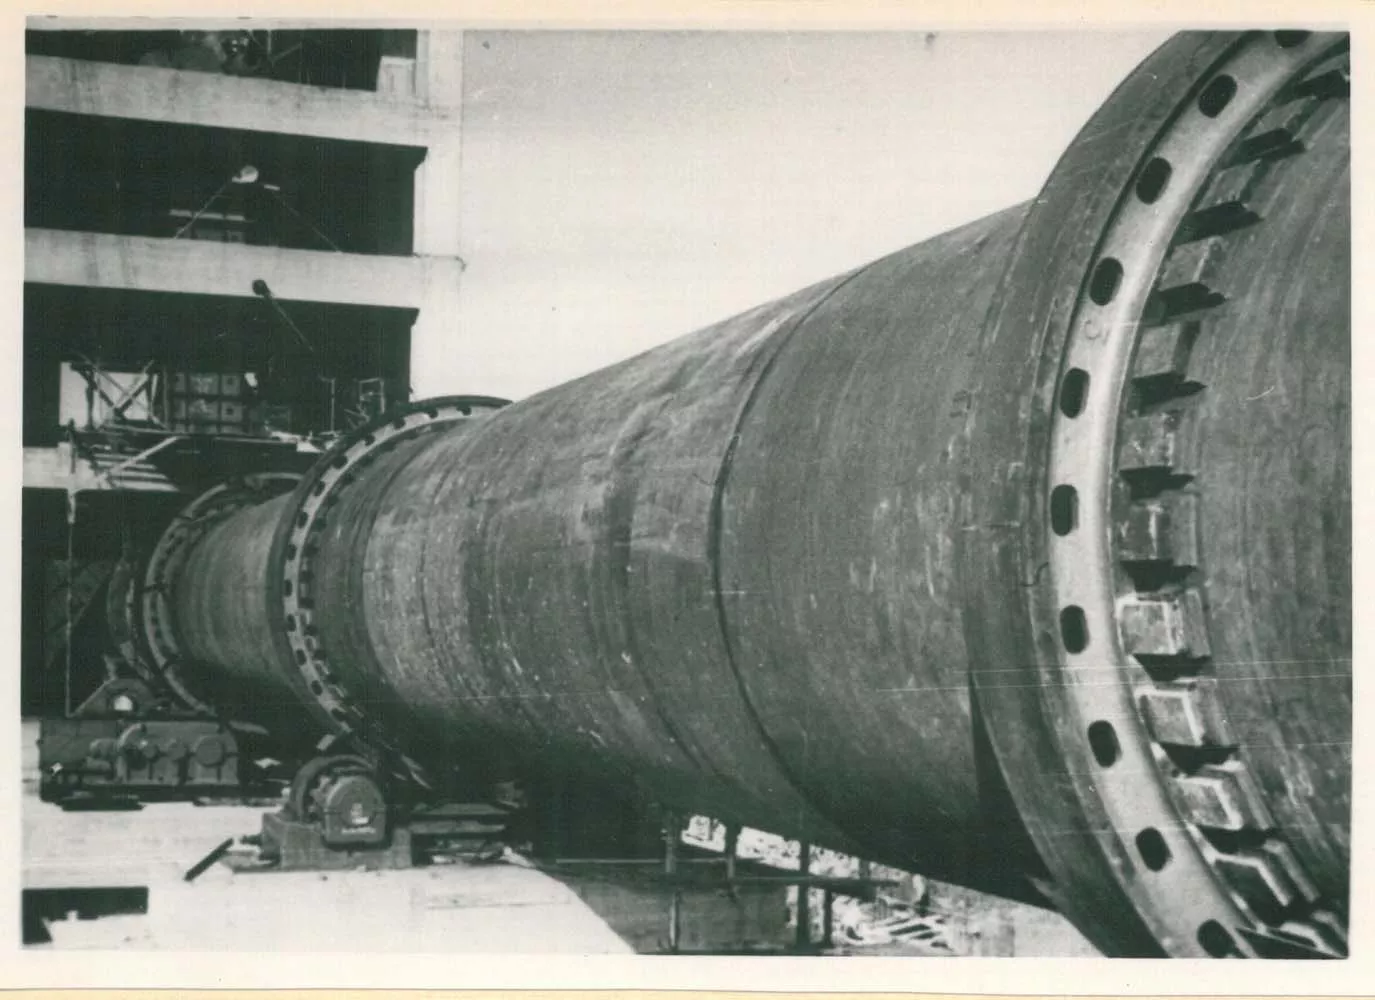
x=475 y=909
x=455 y=908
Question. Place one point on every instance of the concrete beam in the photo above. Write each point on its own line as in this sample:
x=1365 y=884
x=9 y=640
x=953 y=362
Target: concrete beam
x=438 y=211
x=151 y=93
x=202 y=267
x=57 y=469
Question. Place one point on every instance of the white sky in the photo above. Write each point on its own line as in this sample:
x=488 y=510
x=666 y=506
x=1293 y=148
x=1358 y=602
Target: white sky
x=623 y=188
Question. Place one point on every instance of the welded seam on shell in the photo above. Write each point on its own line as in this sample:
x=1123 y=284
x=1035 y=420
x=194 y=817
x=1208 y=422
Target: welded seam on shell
x=716 y=527
x=622 y=567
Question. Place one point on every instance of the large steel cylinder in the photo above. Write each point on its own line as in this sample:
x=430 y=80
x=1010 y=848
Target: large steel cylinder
x=1020 y=557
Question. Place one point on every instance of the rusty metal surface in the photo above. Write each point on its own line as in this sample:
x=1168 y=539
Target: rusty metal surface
x=1014 y=659
x=579 y=618
x=168 y=610
x=1094 y=625
x=1019 y=557
x=226 y=627
x=839 y=511
x=341 y=602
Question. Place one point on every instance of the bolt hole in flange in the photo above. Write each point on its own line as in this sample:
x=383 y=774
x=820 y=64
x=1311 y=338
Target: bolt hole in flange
x=1074 y=629
x=1154 y=178
x=1064 y=509
x=1289 y=39
x=1217 y=95
x=1103 y=742
x=1153 y=849
x=1215 y=939
x=1107 y=277
x=1074 y=391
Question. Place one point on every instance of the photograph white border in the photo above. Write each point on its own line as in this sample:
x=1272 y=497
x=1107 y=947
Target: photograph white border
x=1355 y=976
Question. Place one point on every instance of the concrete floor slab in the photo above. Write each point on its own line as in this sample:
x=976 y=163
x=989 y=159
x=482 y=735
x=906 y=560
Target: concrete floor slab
x=491 y=908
